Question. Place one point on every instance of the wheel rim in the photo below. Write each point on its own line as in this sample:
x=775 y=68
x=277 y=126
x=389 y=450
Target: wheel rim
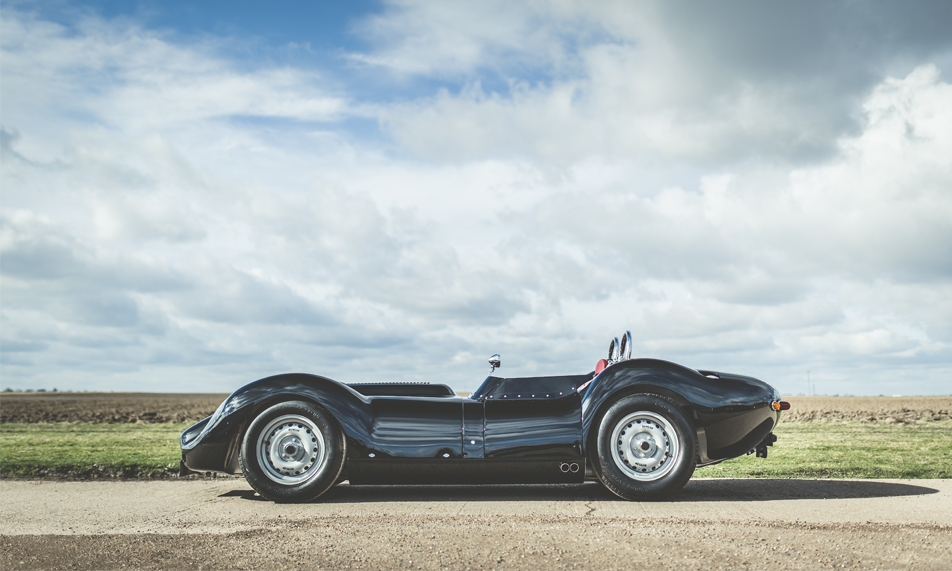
x=291 y=449
x=645 y=446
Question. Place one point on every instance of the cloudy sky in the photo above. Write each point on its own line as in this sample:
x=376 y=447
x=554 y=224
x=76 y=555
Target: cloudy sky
x=196 y=197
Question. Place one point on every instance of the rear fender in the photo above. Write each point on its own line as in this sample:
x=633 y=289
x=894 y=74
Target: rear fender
x=725 y=410
x=686 y=387
x=607 y=389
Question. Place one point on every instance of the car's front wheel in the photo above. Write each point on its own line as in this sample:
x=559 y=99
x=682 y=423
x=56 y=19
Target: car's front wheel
x=292 y=452
x=646 y=448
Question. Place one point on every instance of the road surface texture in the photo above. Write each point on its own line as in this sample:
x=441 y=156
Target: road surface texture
x=711 y=524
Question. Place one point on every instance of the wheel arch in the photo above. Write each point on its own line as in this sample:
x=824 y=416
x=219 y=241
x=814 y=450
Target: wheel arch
x=263 y=405
x=272 y=400
x=590 y=430
x=683 y=386
x=347 y=408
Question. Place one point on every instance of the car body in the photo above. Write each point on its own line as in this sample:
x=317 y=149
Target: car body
x=640 y=426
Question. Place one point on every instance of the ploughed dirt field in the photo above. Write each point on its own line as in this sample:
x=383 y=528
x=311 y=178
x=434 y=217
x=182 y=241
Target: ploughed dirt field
x=107 y=407
x=171 y=407
x=868 y=409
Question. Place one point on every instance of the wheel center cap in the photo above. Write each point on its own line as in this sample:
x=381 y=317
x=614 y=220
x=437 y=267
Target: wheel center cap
x=642 y=445
x=292 y=449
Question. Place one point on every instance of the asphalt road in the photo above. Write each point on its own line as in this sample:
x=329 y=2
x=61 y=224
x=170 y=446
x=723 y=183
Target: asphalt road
x=711 y=524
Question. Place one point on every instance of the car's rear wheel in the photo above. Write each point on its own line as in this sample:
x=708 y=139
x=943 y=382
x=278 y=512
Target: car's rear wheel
x=645 y=449
x=292 y=452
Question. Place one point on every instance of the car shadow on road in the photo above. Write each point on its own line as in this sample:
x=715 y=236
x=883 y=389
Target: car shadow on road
x=771 y=489
x=708 y=490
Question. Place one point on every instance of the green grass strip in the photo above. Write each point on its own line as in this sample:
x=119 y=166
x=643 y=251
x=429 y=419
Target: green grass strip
x=848 y=450
x=804 y=450
x=90 y=450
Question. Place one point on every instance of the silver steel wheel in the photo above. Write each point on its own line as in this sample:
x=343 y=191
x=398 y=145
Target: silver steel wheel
x=645 y=446
x=291 y=450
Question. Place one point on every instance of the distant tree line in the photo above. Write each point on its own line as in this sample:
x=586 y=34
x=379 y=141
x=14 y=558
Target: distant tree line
x=9 y=390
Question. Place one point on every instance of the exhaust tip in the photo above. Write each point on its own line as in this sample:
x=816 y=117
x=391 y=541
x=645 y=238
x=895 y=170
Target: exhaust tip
x=573 y=467
x=564 y=467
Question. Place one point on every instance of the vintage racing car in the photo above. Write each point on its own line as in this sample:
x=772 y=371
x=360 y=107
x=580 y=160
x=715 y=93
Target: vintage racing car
x=639 y=426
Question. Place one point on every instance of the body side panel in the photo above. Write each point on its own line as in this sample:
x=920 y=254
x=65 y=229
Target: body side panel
x=474 y=430
x=420 y=427
x=534 y=428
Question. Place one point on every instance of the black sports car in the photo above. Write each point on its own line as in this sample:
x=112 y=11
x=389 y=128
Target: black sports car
x=639 y=426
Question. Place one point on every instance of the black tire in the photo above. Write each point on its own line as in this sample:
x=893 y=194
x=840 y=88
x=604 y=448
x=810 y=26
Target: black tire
x=646 y=448
x=293 y=452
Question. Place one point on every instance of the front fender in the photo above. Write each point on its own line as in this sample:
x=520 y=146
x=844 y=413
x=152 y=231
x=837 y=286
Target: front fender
x=213 y=443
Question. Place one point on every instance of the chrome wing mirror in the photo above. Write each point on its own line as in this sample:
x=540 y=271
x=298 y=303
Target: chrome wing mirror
x=495 y=362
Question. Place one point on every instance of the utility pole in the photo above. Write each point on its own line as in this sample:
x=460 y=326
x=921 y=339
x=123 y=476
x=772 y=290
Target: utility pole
x=809 y=386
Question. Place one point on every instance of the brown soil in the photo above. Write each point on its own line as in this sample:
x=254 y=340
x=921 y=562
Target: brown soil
x=107 y=407
x=868 y=409
x=170 y=407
